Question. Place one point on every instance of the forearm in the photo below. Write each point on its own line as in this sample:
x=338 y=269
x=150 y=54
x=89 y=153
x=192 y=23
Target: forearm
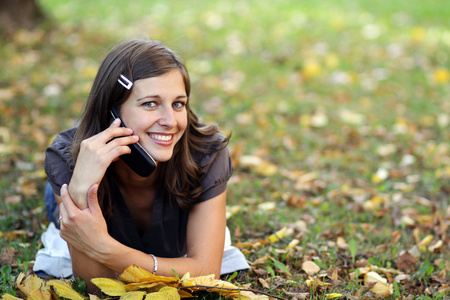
x=118 y=257
x=87 y=268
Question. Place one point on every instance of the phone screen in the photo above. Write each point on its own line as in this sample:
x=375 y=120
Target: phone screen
x=139 y=160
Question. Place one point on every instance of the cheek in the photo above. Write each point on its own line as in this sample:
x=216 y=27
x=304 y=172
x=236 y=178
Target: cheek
x=182 y=123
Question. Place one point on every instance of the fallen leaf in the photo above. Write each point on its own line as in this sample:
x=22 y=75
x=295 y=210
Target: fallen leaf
x=169 y=293
x=406 y=262
x=381 y=288
x=135 y=274
x=65 y=290
x=277 y=235
x=436 y=246
x=264 y=283
x=310 y=267
x=133 y=295
x=111 y=287
x=8 y=256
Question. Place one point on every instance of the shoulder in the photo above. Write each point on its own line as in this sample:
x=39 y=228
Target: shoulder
x=216 y=168
x=58 y=162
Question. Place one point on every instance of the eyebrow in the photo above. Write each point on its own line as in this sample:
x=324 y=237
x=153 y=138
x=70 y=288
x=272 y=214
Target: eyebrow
x=159 y=97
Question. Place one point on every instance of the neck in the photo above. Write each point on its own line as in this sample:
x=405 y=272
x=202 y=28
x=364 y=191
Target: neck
x=128 y=179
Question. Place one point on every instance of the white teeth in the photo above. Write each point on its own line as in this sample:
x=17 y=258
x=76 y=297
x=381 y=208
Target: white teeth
x=160 y=137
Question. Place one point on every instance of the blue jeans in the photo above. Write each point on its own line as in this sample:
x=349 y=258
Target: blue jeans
x=50 y=204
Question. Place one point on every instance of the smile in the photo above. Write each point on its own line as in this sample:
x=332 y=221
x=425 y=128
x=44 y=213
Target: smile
x=161 y=137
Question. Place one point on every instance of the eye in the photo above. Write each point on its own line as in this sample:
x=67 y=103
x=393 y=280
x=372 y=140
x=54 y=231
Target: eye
x=149 y=104
x=179 y=105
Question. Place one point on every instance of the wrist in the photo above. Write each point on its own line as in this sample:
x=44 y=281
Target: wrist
x=78 y=195
x=104 y=250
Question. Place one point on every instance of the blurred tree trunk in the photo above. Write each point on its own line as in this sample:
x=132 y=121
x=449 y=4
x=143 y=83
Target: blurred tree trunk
x=16 y=14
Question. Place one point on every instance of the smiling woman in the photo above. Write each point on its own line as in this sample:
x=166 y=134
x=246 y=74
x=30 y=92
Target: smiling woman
x=111 y=217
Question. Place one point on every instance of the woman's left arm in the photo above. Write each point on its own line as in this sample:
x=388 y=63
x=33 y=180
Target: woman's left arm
x=205 y=239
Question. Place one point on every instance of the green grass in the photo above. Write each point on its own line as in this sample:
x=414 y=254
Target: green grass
x=310 y=86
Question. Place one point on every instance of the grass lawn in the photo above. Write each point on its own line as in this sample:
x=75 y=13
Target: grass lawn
x=339 y=113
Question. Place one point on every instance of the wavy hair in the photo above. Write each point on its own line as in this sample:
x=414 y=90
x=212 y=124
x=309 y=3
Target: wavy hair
x=139 y=59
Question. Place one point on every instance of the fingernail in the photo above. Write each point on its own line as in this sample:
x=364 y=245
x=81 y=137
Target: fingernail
x=116 y=121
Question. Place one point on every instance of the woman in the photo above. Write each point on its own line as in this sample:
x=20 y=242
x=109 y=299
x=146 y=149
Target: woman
x=111 y=217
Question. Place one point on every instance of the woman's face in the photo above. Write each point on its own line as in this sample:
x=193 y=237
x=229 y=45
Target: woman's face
x=156 y=111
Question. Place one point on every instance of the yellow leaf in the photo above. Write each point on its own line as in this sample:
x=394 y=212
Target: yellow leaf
x=10 y=297
x=310 y=267
x=341 y=243
x=292 y=244
x=65 y=290
x=169 y=293
x=111 y=287
x=184 y=294
x=374 y=277
x=333 y=295
x=40 y=294
x=277 y=235
x=381 y=287
x=436 y=245
x=30 y=284
x=134 y=295
x=423 y=243
x=135 y=274
x=206 y=280
x=149 y=287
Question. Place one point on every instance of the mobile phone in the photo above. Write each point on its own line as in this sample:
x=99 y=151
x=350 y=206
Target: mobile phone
x=139 y=160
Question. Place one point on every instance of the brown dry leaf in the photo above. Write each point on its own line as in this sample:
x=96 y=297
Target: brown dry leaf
x=264 y=283
x=406 y=262
x=7 y=256
x=13 y=199
x=297 y=201
x=111 y=287
x=310 y=267
x=65 y=290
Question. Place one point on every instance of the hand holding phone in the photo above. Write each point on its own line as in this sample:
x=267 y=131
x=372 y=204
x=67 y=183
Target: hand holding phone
x=139 y=160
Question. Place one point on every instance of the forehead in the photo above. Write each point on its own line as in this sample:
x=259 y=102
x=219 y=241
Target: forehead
x=167 y=83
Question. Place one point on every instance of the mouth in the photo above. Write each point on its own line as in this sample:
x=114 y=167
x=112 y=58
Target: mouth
x=162 y=139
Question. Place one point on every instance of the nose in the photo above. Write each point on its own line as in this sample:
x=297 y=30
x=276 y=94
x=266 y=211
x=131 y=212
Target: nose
x=167 y=118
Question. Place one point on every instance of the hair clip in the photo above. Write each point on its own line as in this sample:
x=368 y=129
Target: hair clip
x=128 y=84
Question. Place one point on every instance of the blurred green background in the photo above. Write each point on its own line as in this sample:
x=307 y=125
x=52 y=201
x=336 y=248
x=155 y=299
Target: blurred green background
x=353 y=94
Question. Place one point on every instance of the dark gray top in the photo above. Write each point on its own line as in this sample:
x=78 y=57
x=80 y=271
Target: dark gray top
x=166 y=235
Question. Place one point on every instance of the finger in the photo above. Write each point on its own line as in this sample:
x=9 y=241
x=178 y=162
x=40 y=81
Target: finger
x=92 y=198
x=67 y=201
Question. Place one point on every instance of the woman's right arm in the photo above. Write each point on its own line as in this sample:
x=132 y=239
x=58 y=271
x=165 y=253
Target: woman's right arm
x=85 y=267
x=95 y=156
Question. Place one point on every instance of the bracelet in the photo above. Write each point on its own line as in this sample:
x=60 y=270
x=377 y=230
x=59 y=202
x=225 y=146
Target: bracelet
x=155 y=265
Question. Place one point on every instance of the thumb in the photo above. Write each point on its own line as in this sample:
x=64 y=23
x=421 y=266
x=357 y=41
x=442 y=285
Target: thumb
x=92 y=197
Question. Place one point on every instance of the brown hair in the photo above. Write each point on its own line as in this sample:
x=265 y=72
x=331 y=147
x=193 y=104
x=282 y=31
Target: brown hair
x=138 y=59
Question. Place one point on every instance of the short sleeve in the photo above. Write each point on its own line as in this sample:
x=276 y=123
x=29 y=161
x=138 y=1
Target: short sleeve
x=217 y=172
x=58 y=165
